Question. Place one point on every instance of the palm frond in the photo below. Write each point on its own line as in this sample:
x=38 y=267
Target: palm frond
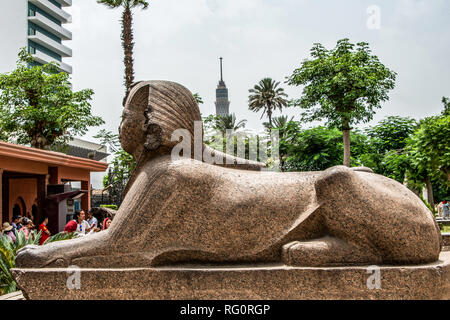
x=113 y=4
x=20 y=241
x=8 y=250
x=60 y=237
x=228 y=122
x=7 y=262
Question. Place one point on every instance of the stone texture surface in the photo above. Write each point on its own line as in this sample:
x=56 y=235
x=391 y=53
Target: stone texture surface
x=446 y=239
x=188 y=211
x=431 y=281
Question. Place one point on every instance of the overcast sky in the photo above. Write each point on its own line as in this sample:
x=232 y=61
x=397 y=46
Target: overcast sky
x=181 y=40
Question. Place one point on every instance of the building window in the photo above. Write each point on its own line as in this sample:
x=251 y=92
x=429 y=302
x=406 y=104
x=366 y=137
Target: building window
x=31 y=12
x=31 y=31
x=31 y=50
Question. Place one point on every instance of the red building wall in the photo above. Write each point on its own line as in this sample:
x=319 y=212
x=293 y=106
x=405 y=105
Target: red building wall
x=40 y=167
x=26 y=189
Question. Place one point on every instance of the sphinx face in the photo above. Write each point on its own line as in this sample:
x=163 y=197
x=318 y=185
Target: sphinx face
x=131 y=132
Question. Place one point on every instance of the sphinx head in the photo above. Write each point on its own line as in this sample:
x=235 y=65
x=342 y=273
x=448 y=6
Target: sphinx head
x=153 y=110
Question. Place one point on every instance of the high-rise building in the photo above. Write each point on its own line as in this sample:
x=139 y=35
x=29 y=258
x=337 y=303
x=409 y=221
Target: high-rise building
x=222 y=102
x=37 y=25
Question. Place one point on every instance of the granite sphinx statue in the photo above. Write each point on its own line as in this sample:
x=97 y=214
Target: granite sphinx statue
x=189 y=211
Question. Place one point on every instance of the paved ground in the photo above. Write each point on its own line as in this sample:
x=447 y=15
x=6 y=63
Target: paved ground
x=13 y=296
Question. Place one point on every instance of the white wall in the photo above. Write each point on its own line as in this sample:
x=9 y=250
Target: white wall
x=13 y=31
x=97 y=179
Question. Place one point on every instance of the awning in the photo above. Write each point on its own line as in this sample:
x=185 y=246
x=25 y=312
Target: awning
x=67 y=195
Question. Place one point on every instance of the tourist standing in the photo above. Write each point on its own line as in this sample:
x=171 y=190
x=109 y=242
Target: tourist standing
x=93 y=222
x=106 y=224
x=446 y=209
x=83 y=226
x=439 y=210
x=71 y=226
x=45 y=233
x=16 y=223
x=8 y=230
x=27 y=227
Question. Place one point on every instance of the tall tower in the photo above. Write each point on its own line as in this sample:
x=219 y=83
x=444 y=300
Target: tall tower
x=37 y=25
x=222 y=102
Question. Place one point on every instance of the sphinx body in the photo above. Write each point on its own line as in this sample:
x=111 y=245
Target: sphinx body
x=187 y=211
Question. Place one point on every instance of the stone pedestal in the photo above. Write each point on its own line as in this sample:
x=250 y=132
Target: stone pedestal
x=431 y=281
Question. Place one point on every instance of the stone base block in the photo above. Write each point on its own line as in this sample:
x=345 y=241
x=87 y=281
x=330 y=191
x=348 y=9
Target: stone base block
x=275 y=282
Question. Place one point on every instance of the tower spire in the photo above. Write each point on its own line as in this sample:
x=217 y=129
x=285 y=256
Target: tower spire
x=221 y=69
x=222 y=102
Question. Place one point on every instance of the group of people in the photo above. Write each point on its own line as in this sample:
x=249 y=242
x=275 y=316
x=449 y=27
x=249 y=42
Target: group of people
x=82 y=224
x=18 y=224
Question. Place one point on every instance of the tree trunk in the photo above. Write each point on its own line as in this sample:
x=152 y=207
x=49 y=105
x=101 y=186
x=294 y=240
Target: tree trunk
x=430 y=195
x=346 y=137
x=269 y=114
x=127 y=43
x=38 y=141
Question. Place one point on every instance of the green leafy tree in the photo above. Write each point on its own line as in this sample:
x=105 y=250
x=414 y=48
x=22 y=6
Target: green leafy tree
x=120 y=168
x=215 y=127
x=312 y=149
x=431 y=143
x=420 y=171
x=385 y=147
x=283 y=125
x=317 y=148
x=343 y=85
x=396 y=164
x=446 y=102
x=215 y=131
x=392 y=133
x=110 y=139
x=267 y=96
x=127 y=33
x=118 y=175
x=39 y=107
x=428 y=153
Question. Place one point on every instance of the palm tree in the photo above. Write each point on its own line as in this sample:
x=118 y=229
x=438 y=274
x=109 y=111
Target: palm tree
x=267 y=96
x=278 y=122
x=127 y=33
x=228 y=122
x=198 y=98
x=281 y=124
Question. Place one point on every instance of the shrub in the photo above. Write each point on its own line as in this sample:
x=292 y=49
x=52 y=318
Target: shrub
x=9 y=249
x=109 y=206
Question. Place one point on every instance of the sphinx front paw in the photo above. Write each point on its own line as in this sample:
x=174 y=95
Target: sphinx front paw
x=30 y=257
x=33 y=256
